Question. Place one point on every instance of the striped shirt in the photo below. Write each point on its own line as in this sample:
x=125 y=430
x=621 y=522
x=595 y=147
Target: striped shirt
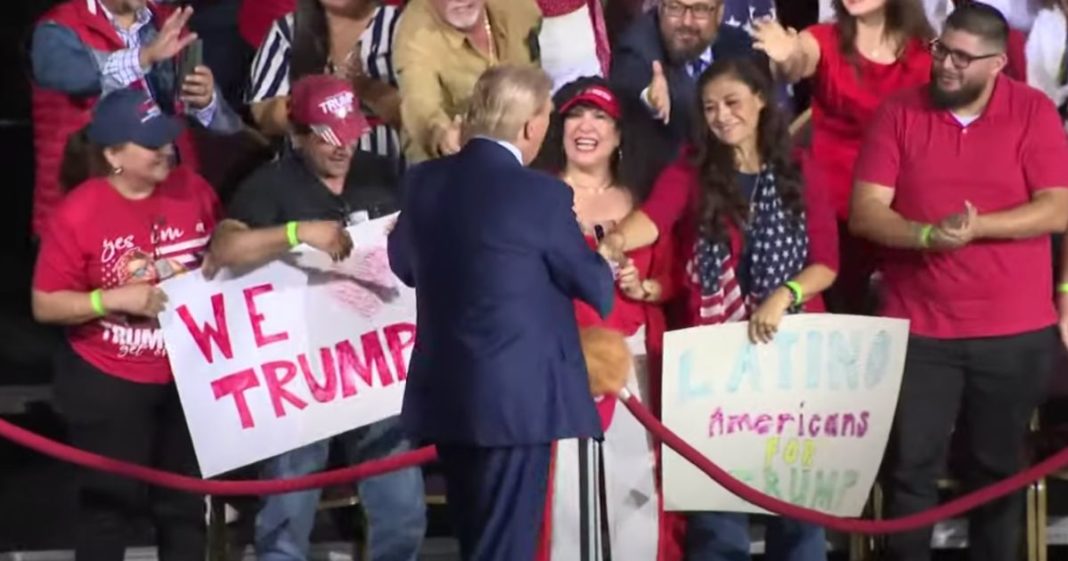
x=270 y=70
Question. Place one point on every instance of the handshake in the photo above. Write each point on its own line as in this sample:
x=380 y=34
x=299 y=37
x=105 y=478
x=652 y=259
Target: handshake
x=631 y=284
x=952 y=232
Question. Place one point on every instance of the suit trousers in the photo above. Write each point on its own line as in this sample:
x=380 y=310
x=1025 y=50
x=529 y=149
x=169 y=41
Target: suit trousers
x=496 y=498
x=987 y=388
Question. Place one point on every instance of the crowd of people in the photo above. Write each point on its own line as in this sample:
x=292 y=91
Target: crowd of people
x=925 y=183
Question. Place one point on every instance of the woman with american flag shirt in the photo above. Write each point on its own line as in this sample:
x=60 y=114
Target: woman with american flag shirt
x=756 y=245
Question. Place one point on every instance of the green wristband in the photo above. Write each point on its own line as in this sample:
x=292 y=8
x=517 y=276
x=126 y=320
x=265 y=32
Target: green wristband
x=925 y=235
x=795 y=288
x=1062 y=288
x=291 y=234
x=96 y=301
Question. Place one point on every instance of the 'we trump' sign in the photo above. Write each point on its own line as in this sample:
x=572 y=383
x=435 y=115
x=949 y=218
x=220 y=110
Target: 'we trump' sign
x=290 y=353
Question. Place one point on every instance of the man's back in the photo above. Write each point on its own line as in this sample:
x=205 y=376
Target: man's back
x=496 y=258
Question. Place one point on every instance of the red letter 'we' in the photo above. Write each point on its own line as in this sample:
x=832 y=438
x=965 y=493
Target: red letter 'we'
x=204 y=335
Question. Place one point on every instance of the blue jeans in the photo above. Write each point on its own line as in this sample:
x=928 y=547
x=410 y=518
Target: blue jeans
x=720 y=536
x=393 y=504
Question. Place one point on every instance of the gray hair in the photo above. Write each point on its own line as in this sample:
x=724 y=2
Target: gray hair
x=505 y=97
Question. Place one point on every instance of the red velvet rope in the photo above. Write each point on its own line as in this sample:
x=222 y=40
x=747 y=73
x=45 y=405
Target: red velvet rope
x=424 y=455
x=199 y=486
x=847 y=525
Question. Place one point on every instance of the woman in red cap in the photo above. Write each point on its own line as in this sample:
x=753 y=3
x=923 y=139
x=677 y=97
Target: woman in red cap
x=610 y=161
x=134 y=222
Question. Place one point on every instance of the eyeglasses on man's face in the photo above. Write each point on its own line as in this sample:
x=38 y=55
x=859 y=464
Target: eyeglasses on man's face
x=960 y=59
x=702 y=11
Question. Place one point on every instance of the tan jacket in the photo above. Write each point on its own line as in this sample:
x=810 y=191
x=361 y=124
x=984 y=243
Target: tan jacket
x=437 y=66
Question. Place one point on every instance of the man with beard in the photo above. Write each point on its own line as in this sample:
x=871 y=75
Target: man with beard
x=660 y=56
x=440 y=49
x=308 y=196
x=963 y=181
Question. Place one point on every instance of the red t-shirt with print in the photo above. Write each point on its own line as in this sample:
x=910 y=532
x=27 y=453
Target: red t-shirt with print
x=99 y=239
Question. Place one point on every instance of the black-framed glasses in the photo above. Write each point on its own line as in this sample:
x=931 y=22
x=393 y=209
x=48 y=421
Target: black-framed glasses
x=960 y=59
x=700 y=12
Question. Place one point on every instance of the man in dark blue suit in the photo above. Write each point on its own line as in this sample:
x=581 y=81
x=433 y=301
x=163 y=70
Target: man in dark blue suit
x=662 y=53
x=496 y=257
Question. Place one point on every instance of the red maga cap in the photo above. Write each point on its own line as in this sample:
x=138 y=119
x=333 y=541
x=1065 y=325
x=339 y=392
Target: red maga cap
x=597 y=96
x=327 y=105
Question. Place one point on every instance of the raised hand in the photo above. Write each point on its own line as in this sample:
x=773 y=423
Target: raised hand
x=778 y=42
x=658 y=95
x=169 y=41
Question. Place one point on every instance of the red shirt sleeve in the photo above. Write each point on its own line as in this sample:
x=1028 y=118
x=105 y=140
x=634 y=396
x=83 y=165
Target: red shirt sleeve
x=1044 y=156
x=822 y=228
x=61 y=263
x=879 y=161
x=667 y=203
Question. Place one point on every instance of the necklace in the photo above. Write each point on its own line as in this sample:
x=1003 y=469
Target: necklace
x=492 y=47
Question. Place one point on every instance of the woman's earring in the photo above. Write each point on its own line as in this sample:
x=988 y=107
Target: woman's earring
x=116 y=170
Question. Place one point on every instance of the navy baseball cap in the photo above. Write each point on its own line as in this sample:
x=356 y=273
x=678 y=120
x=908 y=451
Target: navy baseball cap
x=131 y=116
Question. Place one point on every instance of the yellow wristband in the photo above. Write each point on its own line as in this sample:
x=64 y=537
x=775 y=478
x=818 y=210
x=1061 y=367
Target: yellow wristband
x=925 y=235
x=795 y=288
x=1062 y=288
x=291 y=234
x=96 y=301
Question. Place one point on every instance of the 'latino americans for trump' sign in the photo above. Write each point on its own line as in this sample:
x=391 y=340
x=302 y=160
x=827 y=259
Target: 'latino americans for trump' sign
x=290 y=353
x=804 y=418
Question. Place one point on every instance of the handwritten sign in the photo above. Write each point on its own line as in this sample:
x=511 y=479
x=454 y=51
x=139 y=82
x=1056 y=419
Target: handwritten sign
x=290 y=353
x=804 y=418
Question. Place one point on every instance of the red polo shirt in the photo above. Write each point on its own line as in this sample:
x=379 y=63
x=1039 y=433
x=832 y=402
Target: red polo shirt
x=1015 y=148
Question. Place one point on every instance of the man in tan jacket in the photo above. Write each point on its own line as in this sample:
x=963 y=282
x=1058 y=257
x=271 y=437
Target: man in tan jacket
x=441 y=47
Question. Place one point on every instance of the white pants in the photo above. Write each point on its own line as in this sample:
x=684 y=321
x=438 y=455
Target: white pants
x=609 y=485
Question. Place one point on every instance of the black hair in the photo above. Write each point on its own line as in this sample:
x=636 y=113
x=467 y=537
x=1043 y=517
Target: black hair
x=721 y=200
x=311 y=39
x=644 y=148
x=982 y=20
x=82 y=160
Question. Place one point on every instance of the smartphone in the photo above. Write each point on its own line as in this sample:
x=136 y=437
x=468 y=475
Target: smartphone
x=192 y=57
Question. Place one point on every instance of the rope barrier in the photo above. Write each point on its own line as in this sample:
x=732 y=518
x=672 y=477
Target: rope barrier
x=915 y=521
x=428 y=454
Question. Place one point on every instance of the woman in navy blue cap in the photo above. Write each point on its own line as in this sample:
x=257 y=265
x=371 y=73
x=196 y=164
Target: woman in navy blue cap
x=134 y=222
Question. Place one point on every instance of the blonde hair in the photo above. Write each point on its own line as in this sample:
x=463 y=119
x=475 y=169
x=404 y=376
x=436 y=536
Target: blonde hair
x=505 y=97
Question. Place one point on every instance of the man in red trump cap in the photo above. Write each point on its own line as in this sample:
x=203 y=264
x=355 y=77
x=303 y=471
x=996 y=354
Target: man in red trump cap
x=310 y=195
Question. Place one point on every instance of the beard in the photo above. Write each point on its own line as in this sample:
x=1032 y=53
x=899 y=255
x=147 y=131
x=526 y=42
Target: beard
x=943 y=99
x=682 y=52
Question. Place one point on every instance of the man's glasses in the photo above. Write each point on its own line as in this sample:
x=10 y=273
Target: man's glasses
x=960 y=59
x=700 y=12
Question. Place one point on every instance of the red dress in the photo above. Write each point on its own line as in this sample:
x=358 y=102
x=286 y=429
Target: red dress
x=628 y=317
x=845 y=94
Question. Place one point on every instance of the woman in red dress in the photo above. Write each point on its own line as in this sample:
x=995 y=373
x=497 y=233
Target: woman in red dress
x=874 y=48
x=594 y=147
x=753 y=245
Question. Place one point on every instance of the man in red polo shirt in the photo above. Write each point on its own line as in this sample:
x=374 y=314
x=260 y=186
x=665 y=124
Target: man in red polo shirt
x=963 y=181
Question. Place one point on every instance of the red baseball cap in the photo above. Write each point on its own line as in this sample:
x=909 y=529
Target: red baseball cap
x=597 y=96
x=327 y=105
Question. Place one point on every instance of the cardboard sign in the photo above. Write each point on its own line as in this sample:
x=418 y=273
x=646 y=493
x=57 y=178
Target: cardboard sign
x=290 y=353
x=804 y=418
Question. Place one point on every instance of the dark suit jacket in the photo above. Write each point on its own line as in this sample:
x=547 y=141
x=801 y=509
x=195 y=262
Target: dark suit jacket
x=640 y=45
x=496 y=257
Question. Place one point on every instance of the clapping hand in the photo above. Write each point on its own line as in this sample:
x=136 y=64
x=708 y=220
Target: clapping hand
x=957 y=230
x=169 y=41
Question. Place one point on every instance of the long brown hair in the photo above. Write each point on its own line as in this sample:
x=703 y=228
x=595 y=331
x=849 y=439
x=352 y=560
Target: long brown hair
x=904 y=18
x=722 y=202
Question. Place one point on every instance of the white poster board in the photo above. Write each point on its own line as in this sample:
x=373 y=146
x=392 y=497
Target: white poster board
x=805 y=418
x=290 y=353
